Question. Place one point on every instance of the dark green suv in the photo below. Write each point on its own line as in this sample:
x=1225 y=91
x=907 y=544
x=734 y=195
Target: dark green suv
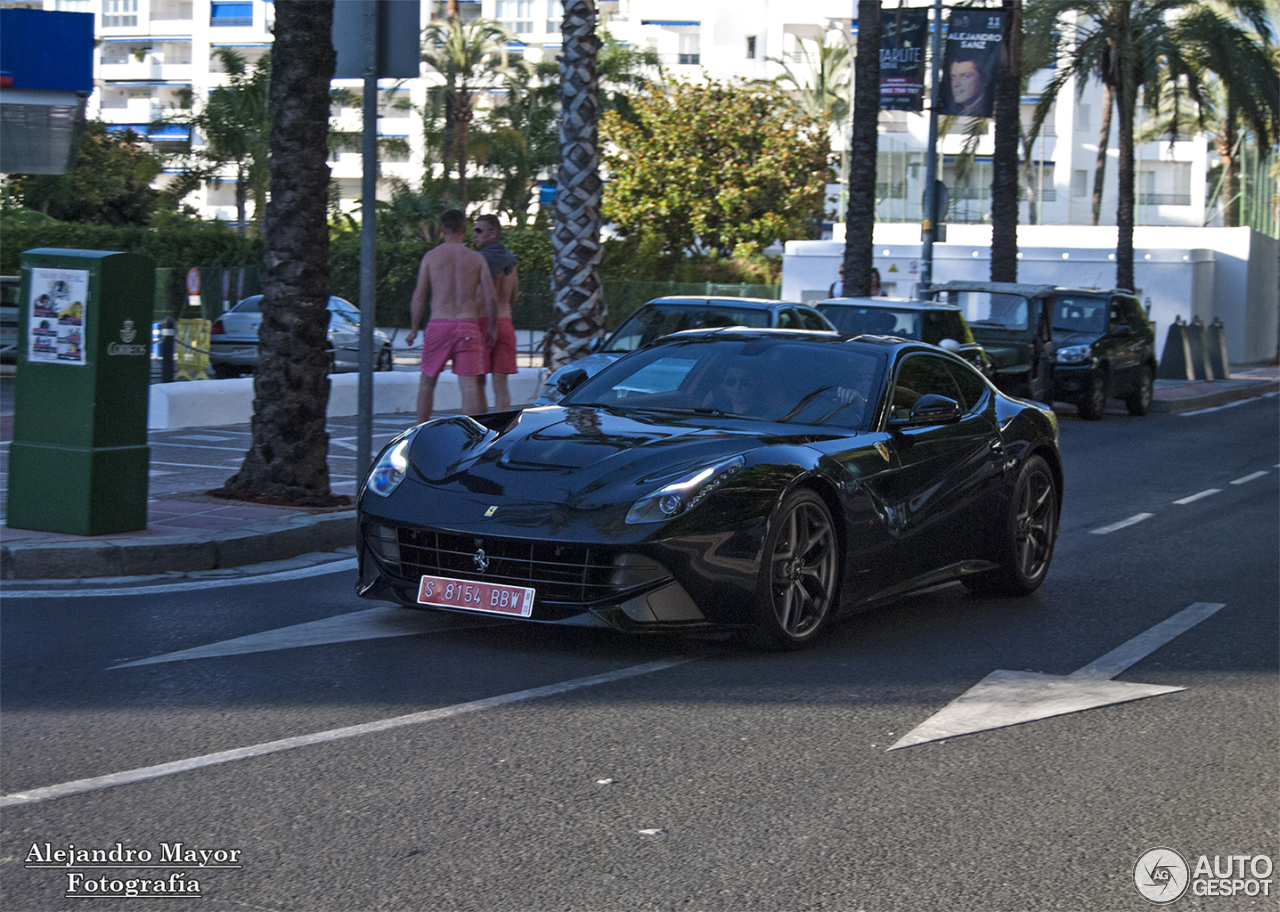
x=1104 y=348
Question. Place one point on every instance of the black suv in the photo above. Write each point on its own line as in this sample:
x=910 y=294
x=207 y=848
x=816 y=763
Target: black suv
x=1011 y=321
x=1104 y=347
x=924 y=321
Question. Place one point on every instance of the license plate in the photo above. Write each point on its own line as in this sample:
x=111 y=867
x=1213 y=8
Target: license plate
x=494 y=598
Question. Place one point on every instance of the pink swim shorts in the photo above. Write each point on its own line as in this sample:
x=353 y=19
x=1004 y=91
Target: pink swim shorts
x=461 y=340
x=502 y=357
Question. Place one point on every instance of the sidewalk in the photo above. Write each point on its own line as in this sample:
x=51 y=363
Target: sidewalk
x=189 y=531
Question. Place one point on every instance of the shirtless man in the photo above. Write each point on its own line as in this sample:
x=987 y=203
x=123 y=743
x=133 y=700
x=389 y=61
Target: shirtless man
x=462 y=295
x=506 y=285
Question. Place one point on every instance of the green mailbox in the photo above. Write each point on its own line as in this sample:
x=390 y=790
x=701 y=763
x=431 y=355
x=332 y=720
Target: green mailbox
x=79 y=457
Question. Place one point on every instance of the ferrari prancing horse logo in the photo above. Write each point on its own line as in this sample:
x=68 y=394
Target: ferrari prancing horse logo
x=482 y=561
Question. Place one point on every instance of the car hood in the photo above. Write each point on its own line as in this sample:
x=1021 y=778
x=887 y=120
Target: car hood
x=1064 y=338
x=555 y=461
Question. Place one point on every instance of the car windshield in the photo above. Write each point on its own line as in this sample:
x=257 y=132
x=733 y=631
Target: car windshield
x=655 y=320
x=1080 y=313
x=1007 y=311
x=788 y=381
x=876 y=321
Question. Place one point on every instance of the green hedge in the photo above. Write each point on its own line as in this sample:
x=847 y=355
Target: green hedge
x=178 y=248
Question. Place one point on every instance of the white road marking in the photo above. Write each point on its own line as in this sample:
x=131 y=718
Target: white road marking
x=1251 y=477
x=370 y=624
x=346 y=442
x=207 y=438
x=1218 y=408
x=1122 y=524
x=80 y=786
x=1194 y=497
x=1005 y=698
x=337 y=566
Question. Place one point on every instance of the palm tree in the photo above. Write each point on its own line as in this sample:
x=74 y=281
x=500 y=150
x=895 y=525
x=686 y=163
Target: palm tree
x=469 y=56
x=823 y=91
x=287 y=458
x=1133 y=47
x=860 y=221
x=1005 y=158
x=578 y=313
x=235 y=123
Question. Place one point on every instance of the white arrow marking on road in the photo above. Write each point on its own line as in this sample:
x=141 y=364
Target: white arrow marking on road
x=371 y=624
x=1006 y=698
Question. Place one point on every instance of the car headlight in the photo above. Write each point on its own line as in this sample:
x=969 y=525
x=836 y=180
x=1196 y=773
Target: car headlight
x=389 y=470
x=684 y=494
x=1073 y=354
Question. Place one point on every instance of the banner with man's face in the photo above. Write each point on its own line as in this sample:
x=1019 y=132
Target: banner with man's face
x=903 y=34
x=971 y=62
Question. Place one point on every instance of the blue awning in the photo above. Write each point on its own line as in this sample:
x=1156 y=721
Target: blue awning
x=672 y=23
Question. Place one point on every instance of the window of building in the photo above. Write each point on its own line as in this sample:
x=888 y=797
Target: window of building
x=1083 y=120
x=690 y=48
x=555 y=16
x=1079 y=184
x=72 y=6
x=119 y=13
x=230 y=13
x=751 y=47
x=179 y=10
x=516 y=15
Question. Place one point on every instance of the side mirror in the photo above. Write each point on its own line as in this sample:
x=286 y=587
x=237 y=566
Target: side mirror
x=571 y=380
x=1122 y=330
x=930 y=409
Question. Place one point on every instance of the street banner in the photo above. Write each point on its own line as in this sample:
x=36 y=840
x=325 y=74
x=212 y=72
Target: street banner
x=904 y=32
x=971 y=62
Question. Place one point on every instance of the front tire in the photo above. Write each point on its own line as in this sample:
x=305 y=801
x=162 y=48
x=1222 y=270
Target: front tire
x=1094 y=403
x=1030 y=529
x=1139 y=403
x=800 y=577
x=385 y=359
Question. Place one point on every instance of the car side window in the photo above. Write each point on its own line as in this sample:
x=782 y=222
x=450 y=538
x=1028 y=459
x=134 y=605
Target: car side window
x=972 y=386
x=787 y=319
x=922 y=375
x=812 y=320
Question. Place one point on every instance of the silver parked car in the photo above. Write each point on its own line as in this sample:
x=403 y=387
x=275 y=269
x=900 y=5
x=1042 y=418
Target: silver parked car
x=233 y=339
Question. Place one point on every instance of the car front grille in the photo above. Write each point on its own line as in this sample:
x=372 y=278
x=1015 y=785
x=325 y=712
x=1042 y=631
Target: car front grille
x=561 y=574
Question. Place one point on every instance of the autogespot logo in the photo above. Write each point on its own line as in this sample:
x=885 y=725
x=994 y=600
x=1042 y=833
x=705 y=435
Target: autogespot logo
x=1161 y=875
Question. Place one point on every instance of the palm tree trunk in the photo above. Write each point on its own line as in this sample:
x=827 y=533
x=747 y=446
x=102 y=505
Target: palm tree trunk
x=1126 y=99
x=1230 y=167
x=287 y=457
x=1104 y=140
x=1004 y=179
x=464 y=115
x=578 y=312
x=861 y=216
x=242 y=196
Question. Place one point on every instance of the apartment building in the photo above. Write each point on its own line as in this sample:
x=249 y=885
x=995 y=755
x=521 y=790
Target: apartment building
x=150 y=50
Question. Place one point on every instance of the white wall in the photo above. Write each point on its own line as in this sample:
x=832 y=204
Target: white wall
x=1228 y=273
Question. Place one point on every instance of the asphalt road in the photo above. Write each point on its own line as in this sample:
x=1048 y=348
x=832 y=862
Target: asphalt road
x=677 y=773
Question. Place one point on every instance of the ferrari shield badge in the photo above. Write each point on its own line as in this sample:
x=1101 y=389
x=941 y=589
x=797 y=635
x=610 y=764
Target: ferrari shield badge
x=492 y=510
x=883 y=451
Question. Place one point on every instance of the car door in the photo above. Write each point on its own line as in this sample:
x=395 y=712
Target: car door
x=1126 y=344
x=940 y=473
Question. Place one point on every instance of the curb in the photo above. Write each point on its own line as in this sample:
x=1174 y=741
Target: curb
x=256 y=543
x=1246 y=389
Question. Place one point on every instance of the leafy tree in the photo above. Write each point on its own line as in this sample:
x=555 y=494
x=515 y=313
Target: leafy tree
x=234 y=121
x=470 y=57
x=287 y=458
x=722 y=167
x=863 y=152
x=578 y=311
x=109 y=184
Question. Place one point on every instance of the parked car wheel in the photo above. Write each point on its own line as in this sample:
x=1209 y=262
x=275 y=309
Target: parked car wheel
x=225 y=371
x=385 y=359
x=799 y=579
x=1139 y=403
x=1094 y=402
x=1028 y=537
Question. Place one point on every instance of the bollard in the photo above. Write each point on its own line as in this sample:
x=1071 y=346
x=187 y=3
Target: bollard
x=1199 y=359
x=166 y=350
x=1175 y=360
x=1215 y=349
